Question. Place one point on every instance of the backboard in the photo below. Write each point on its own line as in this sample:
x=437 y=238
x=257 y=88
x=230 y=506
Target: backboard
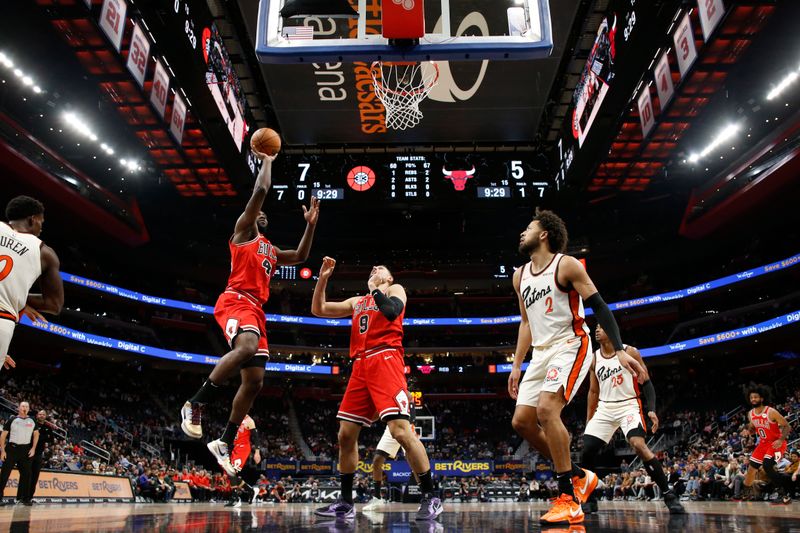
x=514 y=29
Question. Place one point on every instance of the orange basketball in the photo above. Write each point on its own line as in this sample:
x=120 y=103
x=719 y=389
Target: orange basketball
x=266 y=140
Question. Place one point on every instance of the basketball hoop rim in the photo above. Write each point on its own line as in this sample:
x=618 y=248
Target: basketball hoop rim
x=379 y=81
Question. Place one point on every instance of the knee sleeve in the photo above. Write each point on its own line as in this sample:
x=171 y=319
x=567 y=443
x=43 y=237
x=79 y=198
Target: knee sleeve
x=592 y=446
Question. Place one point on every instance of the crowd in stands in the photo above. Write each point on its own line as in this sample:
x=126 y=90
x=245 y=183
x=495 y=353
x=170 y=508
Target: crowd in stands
x=706 y=455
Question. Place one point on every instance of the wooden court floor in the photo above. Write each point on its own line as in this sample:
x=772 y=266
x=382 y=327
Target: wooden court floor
x=639 y=517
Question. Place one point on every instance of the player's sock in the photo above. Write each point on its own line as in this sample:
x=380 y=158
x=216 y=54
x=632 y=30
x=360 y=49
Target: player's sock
x=206 y=393
x=578 y=471
x=565 y=483
x=347 y=487
x=426 y=482
x=377 y=490
x=656 y=473
x=230 y=434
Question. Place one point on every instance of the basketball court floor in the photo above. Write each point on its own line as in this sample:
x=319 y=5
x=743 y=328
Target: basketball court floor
x=631 y=517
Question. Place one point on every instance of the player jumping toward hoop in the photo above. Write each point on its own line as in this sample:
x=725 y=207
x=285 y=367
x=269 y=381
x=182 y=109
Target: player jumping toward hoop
x=377 y=386
x=240 y=315
x=614 y=402
x=551 y=289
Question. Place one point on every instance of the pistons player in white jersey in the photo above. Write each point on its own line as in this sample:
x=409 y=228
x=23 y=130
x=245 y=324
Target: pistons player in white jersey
x=552 y=289
x=24 y=258
x=772 y=431
x=615 y=401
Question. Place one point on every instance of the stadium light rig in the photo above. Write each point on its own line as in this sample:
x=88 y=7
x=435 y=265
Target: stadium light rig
x=725 y=134
x=26 y=80
x=783 y=85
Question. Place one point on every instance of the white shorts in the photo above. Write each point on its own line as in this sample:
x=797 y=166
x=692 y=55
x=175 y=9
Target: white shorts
x=611 y=416
x=6 y=332
x=565 y=364
x=388 y=445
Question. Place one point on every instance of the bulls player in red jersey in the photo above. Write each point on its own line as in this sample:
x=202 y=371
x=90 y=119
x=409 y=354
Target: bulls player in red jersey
x=377 y=386
x=243 y=446
x=772 y=430
x=240 y=315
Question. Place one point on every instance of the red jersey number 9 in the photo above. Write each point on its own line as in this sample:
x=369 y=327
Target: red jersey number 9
x=363 y=324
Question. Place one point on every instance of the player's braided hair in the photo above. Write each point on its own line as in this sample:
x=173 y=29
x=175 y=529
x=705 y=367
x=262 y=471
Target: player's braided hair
x=557 y=236
x=22 y=207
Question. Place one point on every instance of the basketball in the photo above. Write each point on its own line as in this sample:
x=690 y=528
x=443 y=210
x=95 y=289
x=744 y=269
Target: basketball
x=266 y=140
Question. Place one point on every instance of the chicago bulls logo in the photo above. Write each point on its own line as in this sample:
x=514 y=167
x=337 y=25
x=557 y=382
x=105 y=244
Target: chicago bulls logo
x=458 y=177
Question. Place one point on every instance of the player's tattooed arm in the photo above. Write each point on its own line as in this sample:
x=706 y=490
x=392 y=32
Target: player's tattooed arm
x=786 y=429
x=524 y=341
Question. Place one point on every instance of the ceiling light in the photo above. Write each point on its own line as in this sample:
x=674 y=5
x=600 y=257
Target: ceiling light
x=17 y=72
x=726 y=133
x=27 y=80
x=782 y=85
x=37 y=89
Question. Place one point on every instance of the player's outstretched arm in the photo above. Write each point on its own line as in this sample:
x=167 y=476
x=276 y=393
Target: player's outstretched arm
x=245 y=228
x=51 y=300
x=648 y=389
x=319 y=305
x=524 y=340
x=293 y=257
x=572 y=274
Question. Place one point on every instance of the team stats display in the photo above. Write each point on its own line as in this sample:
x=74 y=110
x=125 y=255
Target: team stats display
x=407 y=178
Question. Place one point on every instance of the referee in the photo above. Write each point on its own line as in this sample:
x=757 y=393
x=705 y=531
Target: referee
x=45 y=428
x=17 y=444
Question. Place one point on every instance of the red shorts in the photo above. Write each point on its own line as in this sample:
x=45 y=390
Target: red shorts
x=236 y=313
x=764 y=450
x=239 y=456
x=377 y=388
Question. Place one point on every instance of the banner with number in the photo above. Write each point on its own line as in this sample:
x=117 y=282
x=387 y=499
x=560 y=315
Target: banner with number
x=112 y=20
x=178 y=119
x=684 y=45
x=646 y=116
x=710 y=12
x=159 y=92
x=138 y=55
x=664 y=86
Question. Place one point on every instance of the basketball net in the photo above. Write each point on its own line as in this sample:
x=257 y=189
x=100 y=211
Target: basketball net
x=401 y=87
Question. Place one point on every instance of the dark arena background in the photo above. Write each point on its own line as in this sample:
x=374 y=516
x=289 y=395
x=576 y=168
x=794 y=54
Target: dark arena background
x=665 y=134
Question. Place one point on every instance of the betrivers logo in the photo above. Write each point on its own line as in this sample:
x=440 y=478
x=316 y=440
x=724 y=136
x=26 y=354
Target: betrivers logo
x=447 y=90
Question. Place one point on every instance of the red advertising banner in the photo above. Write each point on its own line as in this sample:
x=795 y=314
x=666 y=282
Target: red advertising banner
x=178 y=120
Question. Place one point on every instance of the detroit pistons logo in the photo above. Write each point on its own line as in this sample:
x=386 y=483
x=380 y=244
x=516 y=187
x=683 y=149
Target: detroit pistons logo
x=408 y=5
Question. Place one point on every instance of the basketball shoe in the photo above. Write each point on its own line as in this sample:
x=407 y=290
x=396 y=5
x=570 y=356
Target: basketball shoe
x=565 y=511
x=583 y=487
x=220 y=452
x=191 y=420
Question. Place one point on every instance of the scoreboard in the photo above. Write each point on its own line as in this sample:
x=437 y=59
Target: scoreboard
x=408 y=178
